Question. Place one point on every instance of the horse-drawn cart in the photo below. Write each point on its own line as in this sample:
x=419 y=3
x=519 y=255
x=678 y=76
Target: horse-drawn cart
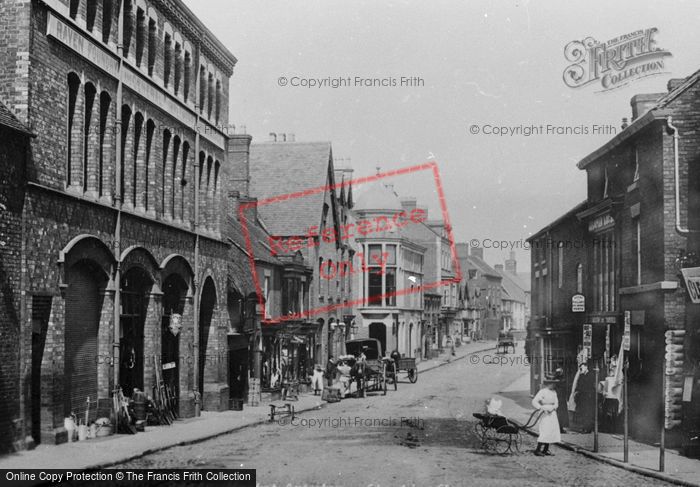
x=370 y=368
x=403 y=364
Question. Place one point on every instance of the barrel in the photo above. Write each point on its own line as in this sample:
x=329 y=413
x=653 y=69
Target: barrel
x=139 y=405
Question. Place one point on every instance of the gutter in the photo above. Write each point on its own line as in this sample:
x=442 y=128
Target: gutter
x=676 y=180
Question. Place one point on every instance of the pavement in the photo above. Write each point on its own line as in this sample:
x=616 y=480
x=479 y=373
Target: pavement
x=112 y=450
x=643 y=458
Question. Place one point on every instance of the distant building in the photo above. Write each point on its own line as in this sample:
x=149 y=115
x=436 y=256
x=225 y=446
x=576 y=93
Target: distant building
x=513 y=299
x=483 y=289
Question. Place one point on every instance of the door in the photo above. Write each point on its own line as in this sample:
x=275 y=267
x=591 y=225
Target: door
x=378 y=331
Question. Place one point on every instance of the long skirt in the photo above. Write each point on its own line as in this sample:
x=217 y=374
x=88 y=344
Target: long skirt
x=549 y=428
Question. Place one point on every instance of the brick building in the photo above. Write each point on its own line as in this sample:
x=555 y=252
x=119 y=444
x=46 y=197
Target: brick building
x=14 y=145
x=559 y=263
x=124 y=267
x=641 y=226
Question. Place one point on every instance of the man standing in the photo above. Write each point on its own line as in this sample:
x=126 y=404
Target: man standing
x=560 y=388
x=330 y=371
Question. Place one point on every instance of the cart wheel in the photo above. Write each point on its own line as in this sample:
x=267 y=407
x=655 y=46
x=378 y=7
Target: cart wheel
x=396 y=377
x=516 y=443
x=413 y=375
x=480 y=432
x=501 y=442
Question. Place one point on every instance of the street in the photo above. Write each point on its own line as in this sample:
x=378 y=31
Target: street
x=420 y=435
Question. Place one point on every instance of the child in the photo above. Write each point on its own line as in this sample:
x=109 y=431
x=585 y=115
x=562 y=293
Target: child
x=546 y=400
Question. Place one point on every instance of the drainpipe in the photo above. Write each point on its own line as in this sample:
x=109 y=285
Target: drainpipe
x=197 y=169
x=676 y=173
x=118 y=197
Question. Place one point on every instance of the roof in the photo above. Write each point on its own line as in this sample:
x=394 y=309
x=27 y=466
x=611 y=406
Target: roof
x=654 y=113
x=377 y=196
x=8 y=119
x=576 y=209
x=479 y=264
x=282 y=168
x=512 y=286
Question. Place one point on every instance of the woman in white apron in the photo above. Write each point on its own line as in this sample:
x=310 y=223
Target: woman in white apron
x=546 y=401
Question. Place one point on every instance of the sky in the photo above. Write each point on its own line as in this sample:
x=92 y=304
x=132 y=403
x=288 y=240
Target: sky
x=482 y=63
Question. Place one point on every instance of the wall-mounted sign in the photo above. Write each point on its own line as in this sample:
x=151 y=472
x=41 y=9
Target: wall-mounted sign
x=602 y=222
x=169 y=365
x=578 y=303
x=626 y=335
x=588 y=339
x=691 y=275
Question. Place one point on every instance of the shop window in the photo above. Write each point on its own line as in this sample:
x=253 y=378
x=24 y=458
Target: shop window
x=90 y=93
x=74 y=6
x=390 y=288
x=604 y=269
x=107 y=13
x=90 y=15
x=167 y=59
x=374 y=286
x=152 y=45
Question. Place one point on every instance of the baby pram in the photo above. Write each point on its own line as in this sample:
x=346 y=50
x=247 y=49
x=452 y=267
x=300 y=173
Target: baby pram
x=500 y=434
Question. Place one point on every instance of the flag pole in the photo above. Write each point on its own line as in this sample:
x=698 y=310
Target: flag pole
x=595 y=413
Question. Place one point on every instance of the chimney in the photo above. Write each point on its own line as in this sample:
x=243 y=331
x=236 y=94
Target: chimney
x=239 y=162
x=673 y=83
x=282 y=137
x=477 y=252
x=512 y=264
x=625 y=123
x=291 y=138
x=250 y=212
x=642 y=103
x=273 y=137
x=234 y=200
x=498 y=267
x=462 y=250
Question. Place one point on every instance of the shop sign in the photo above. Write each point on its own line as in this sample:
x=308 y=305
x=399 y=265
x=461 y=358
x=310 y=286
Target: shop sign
x=578 y=303
x=691 y=275
x=602 y=222
x=169 y=365
x=588 y=339
x=626 y=335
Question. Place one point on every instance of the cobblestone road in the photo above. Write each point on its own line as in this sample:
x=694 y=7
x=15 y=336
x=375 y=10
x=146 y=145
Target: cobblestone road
x=420 y=435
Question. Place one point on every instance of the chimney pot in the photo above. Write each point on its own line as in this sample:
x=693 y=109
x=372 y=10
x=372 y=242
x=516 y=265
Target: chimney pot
x=273 y=137
x=625 y=123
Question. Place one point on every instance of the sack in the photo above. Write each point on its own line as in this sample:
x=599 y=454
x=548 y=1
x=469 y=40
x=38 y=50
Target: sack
x=331 y=395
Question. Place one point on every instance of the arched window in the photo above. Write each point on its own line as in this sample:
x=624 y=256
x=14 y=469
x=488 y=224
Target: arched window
x=105 y=102
x=90 y=93
x=174 y=176
x=74 y=6
x=73 y=129
x=140 y=35
x=167 y=58
x=210 y=95
x=183 y=179
x=164 y=172
x=128 y=25
x=218 y=101
x=90 y=15
x=126 y=121
x=107 y=13
x=152 y=45
x=178 y=68
x=202 y=89
x=138 y=135
x=150 y=131
x=188 y=74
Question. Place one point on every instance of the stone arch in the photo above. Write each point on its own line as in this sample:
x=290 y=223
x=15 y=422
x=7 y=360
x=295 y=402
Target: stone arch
x=211 y=358
x=87 y=247
x=177 y=264
x=137 y=256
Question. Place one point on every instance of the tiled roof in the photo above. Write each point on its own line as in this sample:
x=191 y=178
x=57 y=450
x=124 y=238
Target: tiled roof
x=8 y=119
x=281 y=168
x=512 y=287
x=478 y=263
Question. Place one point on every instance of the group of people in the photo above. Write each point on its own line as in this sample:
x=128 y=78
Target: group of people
x=581 y=403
